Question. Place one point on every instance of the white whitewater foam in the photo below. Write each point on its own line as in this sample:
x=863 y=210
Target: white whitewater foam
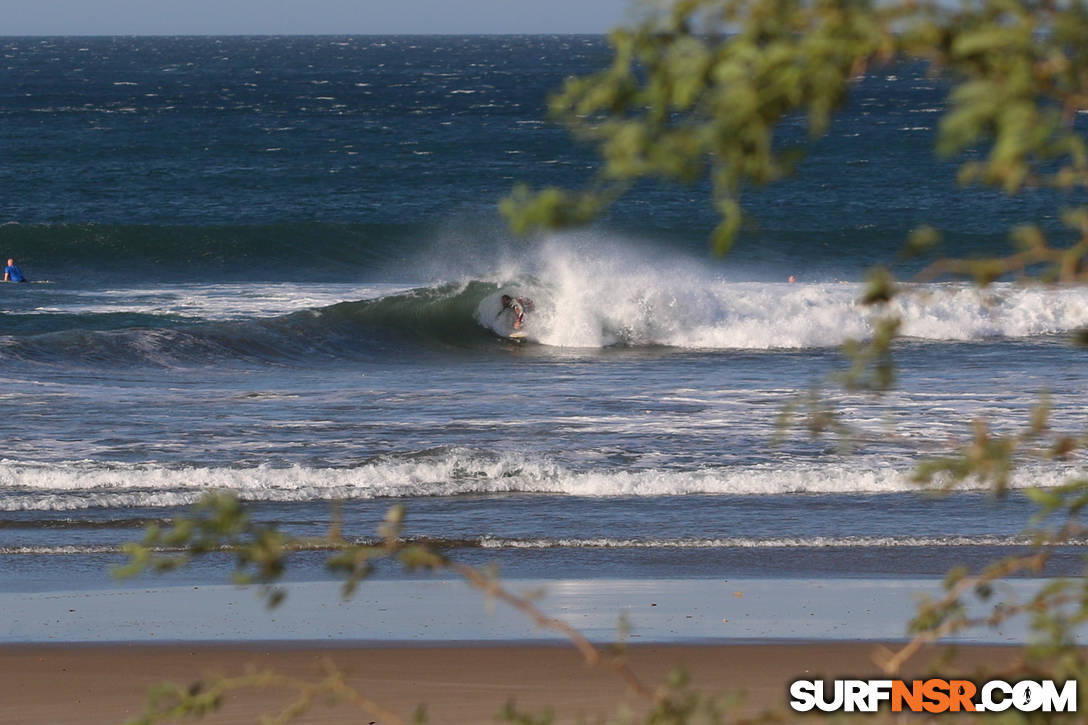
x=588 y=298
x=56 y=550
x=797 y=542
x=218 y=301
x=815 y=542
x=85 y=484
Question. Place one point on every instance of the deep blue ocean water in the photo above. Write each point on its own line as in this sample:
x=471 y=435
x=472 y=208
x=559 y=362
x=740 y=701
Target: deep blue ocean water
x=273 y=266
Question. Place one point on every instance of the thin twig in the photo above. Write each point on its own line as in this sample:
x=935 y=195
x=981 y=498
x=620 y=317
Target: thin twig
x=592 y=655
x=895 y=660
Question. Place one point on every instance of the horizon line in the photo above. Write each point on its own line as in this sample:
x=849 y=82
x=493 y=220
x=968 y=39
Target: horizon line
x=297 y=35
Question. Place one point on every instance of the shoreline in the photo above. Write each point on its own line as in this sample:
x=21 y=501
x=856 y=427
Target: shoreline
x=73 y=684
x=689 y=611
x=398 y=644
x=83 y=657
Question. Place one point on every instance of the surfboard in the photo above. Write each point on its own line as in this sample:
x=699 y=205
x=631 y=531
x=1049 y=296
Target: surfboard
x=517 y=335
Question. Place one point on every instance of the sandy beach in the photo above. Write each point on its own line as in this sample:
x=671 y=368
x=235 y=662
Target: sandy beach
x=68 y=684
x=90 y=656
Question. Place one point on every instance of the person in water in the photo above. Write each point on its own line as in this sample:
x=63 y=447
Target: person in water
x=520 y=305
x=12 y=273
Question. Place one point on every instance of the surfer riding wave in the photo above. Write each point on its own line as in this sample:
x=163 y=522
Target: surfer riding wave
x=520 y=305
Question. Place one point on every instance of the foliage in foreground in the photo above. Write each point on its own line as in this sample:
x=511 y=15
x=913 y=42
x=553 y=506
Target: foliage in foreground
x=221 y=524
x=698 y=92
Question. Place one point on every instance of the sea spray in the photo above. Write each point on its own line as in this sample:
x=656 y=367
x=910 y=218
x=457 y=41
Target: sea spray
x=601 y=292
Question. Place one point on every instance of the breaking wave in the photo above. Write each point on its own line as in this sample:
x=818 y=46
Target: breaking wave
x=30 y=486
x=625 y=313
x=765 y=316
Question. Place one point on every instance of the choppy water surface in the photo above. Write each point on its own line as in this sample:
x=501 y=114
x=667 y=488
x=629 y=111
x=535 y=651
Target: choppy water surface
x=272 y=266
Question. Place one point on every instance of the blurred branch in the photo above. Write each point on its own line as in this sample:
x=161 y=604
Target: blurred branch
x=222 y=525
x=169 y=701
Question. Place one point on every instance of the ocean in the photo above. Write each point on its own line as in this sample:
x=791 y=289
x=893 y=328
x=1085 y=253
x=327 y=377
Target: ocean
x=273 y=265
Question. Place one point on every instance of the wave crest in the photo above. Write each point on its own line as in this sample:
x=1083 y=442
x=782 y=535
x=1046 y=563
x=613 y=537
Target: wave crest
x=85 y=484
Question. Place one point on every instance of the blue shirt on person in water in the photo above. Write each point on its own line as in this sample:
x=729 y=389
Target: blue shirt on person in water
x=13 y=273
